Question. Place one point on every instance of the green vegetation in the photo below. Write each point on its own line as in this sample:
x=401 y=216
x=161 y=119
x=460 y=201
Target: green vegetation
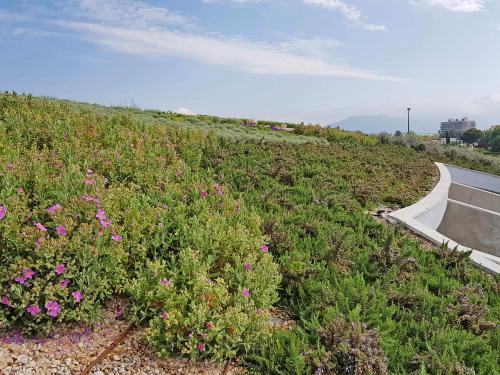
x=193 y=210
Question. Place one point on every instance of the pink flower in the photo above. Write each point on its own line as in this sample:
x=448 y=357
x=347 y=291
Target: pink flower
x=116 y=237
x=61 y=230
x=33 y=310
x=89 y=172
x=28 y=273
x=3 y=212
x=165 y=282
x=63 y=283
x=165 y=206
x=209 y=325
x=77 y=296
x=248 y=266
x=40 y=226
x=89 y=181
x=10 y=166
x=90 y=198
x=20 y=190
x=5 y=301
x=203 y=194
x=106 y=223
x=60 y=268
x=218 y=189
x=245 y=293
x=54 y=209
x=201 y=347
x=38 y=243
x=101 y=215
x=53 y=308
x=20 y=279
x=264 y=248
x=164 y=315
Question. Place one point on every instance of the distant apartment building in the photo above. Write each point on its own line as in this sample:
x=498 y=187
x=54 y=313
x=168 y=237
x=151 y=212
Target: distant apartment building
x=456 y=126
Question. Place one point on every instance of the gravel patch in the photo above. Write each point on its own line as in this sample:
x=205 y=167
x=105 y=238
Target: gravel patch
x=72 y=349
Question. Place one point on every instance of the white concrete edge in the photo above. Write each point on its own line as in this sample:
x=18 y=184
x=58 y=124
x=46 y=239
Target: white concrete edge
x=489 y=212
x=437 y=195
x=407 y=216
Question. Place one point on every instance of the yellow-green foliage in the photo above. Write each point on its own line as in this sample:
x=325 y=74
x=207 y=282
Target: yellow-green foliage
x=93 y=206
x=195 y=198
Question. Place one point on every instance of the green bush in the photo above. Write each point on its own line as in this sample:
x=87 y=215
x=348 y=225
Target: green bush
x=90 y=206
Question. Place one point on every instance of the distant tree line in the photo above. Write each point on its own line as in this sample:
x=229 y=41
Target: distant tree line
x=489 y=139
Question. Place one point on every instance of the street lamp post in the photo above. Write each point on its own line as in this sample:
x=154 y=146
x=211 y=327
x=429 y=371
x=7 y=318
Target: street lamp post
x=408 y=109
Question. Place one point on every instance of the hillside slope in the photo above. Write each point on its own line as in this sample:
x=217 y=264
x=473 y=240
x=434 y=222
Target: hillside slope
x=205 y=231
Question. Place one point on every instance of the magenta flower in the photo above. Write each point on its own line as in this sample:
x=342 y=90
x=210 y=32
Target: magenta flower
x=61 y=230
x=201 y=347
x=164 y=315
x=101 y=215
x=203 y=194
x=218 y=189
x=40 y=226
x=264 y=248
x=5 y=301
x=106 y=223
x=165 y=282
x=54 y=209
x=209 y=325
x=60 y=268
x=3 y=212
x=63 y=283
x=28 y=273
x=20 y=279
x=77 y=296
x=248 y=266
x=116 y=237
x=33 y=310
x=38 y=243
x=53 y=308
x=20 y=190
x=90 y=198
x=245 y=293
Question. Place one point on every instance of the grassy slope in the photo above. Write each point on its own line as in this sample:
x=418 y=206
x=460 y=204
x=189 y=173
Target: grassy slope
x=430 y=310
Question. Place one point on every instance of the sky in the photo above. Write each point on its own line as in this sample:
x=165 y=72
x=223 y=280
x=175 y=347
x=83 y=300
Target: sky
x=316 y=61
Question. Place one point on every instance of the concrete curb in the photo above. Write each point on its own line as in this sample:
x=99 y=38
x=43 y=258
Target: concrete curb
x=425 y=216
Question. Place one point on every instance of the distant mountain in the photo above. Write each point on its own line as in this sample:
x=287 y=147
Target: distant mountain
x=381 y=123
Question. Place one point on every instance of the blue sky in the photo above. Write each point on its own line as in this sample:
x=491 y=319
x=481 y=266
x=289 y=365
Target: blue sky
x=293 y=60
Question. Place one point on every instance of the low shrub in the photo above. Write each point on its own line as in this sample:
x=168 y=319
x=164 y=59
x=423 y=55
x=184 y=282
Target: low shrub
x=94 y=206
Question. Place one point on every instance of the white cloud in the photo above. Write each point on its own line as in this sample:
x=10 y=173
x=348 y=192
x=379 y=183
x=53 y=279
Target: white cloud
x=28 y=31
x=463 y=6
x=312 y=47
x=184 y=111
x=12 y=17
x=151 y=31
x=350 y=12
x=242 y=54
x=131 y=13
x=236 y=1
